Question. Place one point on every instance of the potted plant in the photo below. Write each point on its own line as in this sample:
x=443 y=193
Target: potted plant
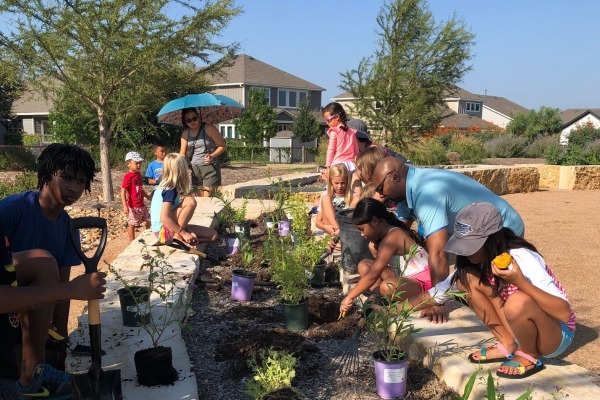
x=241 y=227
x=297 y=211
x=289 y=271
x=312 y=251
x=390 y=324
x=164 y=307
x=242 y=280
x=273 y=372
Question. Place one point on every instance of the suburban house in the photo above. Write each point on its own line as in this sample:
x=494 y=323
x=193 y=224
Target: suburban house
x=465 y=109
x=31 y=112
x=283 y=91
x=573 y=118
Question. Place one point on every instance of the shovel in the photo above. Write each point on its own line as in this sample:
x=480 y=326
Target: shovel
x=96 y=384
x=178 y=244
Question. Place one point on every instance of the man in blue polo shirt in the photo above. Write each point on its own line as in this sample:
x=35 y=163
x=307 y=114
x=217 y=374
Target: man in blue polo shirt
x=433 y=197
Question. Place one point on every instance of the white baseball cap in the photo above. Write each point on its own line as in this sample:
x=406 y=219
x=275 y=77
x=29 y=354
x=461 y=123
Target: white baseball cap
x=133 y=155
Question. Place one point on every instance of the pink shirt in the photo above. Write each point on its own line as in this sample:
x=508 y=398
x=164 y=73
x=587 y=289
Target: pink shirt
x=342 y=146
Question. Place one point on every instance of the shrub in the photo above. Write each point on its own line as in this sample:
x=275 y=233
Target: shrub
x=23 y=182
x=272 y=370
x=506 y=146
x=584 y=134
x=539 y=147
x=470 y=149
x=17 y=159
x=592 y=152
x=429 y=152
x=321 y=151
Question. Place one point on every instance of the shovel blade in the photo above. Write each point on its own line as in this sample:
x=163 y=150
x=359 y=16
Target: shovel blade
x=108 y=387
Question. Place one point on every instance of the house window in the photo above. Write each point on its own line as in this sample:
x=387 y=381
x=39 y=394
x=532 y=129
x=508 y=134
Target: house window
x=228 y=131
x=473 y=107
x=290 y=98
x=266 y=91
x=283 y=127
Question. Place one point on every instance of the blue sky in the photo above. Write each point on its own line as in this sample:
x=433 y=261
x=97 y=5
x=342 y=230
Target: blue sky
x=533 y=52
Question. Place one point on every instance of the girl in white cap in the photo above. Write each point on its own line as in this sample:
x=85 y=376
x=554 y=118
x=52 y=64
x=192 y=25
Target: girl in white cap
x=520 y=301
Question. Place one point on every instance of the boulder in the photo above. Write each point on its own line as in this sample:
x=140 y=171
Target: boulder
x=522 y=179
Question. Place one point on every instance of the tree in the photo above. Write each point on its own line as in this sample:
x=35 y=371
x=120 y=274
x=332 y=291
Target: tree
x=257 y=122
x=534 y=124
x=401 y=87
x=306 y=127
x=116 y=54
x=11 y=86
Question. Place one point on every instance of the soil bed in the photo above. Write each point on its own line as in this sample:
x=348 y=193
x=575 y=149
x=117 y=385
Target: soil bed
x=224 y=334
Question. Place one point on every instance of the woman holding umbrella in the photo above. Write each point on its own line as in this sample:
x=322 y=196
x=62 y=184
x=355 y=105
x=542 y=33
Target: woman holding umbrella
x=201 y=144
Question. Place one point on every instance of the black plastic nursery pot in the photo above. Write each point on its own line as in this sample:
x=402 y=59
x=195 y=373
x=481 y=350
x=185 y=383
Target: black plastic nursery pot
x=130 y=298
x=295 y=316
x=154 y=366
x=318 y=275
x=354 y=246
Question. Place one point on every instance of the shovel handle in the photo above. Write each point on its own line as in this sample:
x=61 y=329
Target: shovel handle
x=191 y=250
x=90 y=263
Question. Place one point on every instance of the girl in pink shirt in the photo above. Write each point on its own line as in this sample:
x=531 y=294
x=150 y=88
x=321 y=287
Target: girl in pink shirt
x=342 y=147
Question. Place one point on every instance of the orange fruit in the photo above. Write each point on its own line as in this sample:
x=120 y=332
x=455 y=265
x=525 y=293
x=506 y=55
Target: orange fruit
x=503 y=261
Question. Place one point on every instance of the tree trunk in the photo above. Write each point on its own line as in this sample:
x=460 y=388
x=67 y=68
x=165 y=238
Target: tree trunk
x=105 y=134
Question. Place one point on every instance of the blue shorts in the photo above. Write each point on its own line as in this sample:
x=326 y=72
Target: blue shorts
x=567 y=339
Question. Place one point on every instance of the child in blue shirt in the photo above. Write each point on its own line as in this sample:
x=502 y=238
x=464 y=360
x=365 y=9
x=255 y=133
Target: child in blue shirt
x=155 y=168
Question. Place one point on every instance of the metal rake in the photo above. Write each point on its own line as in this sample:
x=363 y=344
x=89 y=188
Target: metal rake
x=346 y=358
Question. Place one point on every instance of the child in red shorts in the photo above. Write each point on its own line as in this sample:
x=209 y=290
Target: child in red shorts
x=133 y=194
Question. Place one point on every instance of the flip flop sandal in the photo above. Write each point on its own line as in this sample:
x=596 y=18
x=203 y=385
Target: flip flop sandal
x=483 y=355
x=523 y=371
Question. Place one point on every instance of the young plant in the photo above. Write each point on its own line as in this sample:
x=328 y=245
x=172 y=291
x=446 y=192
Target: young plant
x=229 y=215
x=161 y=280
x=273 y=370
x=493 y=392
x=391 y=322
x=296 y=208
x=247 y=258
x=238 y=215
x=310 y=251
x=288 y=269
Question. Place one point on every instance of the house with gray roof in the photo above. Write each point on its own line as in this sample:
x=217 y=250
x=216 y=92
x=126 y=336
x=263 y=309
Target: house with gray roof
x=283 y=91
x=464 y=109
x=31 y=112
x=574 y=118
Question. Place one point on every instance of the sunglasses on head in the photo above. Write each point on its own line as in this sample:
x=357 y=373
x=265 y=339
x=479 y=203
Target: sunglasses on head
x=379 y=189
x=190 y=120
x=331 y=117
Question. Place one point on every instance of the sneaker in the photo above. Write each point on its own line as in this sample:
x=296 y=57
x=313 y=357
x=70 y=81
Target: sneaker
x=48 y=383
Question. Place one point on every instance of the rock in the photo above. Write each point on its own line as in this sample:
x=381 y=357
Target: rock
x=522 y=179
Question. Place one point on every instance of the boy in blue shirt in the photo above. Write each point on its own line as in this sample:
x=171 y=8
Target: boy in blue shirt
x=154 y=170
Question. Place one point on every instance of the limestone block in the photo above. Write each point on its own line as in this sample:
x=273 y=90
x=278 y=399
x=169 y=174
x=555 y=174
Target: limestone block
x=587 y=177
x=522 y=179
x=549 y=176
x=566 y=177
x=492 y=178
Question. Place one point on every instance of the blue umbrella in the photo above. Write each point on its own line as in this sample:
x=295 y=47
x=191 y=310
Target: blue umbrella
x=212 y=108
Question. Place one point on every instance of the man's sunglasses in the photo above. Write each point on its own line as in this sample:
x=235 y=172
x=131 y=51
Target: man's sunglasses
x=379 y=188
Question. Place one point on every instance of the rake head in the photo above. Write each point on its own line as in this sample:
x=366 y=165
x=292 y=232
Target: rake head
x=346 y=359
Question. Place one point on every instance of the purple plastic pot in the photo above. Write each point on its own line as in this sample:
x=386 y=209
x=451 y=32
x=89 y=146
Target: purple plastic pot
x=233 y=244
x=390 y=377
x=242 y=285
x=284 y=228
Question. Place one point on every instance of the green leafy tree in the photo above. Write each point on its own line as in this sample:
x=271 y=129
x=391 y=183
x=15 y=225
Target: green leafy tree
x=401 y=87
x=257 y=122
x=545 y=121
x=11 y=87
x=116 y=55
x=306 y=127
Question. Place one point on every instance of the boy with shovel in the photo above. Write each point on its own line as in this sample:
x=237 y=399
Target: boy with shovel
x=37 y=220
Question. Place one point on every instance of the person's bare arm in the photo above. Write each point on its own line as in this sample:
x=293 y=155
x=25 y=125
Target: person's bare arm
x=329 y=212
x=438 y=259
x=215 y=135
x=183 y=143
x=83 y=287
x=124 y=200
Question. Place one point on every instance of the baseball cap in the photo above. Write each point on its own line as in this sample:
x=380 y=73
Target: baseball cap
x=133 y=155
x=357 y=124
x=473 y=224
x=363 y=136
